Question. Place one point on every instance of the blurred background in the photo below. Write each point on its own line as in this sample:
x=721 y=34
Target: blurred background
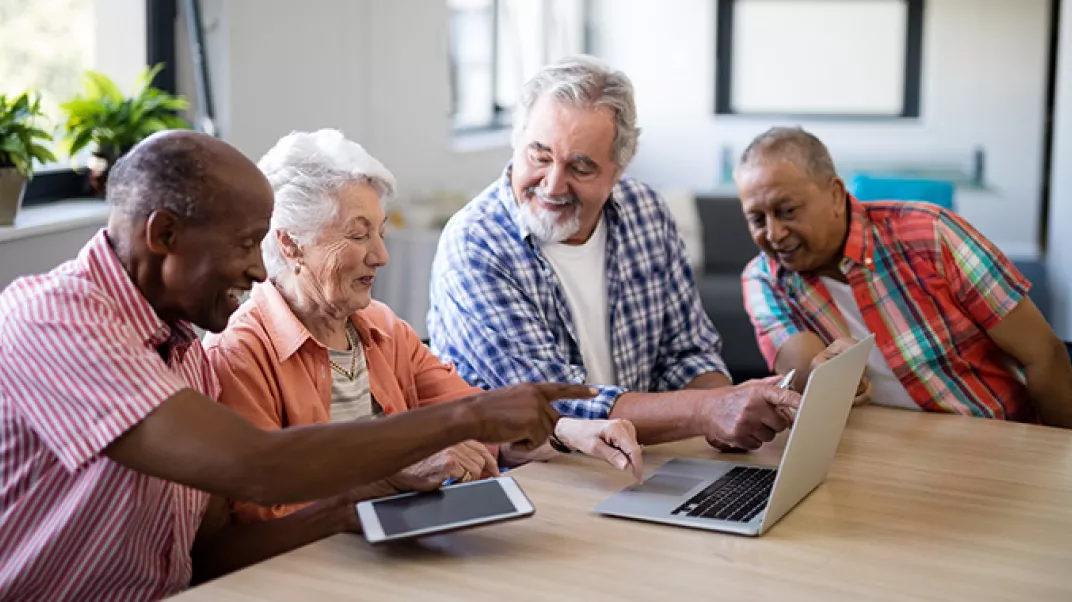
x=964 y=103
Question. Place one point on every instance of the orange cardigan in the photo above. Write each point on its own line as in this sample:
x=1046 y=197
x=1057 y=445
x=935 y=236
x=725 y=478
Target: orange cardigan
x=274 y=374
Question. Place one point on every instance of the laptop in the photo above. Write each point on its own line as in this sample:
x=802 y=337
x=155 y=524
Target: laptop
x=743 y=498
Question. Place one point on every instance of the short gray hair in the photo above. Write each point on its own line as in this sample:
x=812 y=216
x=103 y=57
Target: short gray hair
x=585 y=81
x=790 y=145
x=167 y=171
x=306 y=171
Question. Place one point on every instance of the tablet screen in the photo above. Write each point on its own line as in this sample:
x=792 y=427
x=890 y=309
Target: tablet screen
x=446 y=506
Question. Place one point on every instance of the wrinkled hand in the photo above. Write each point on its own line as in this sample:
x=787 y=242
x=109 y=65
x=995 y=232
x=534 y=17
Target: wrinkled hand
x=613 y=441
x=839 y=346
x=466 y=461
x=522 y=413
x=745 y=416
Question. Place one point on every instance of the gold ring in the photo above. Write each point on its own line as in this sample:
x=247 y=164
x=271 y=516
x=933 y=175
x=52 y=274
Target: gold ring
x=466 y=476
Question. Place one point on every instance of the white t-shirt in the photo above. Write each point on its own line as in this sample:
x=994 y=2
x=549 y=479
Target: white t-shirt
x=886 y=389
x=582 y=272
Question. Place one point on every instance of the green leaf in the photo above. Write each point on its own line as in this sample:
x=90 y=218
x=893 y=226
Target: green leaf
x=146 y=77
x=42 y=154
x=99 y=86
x=80 y=141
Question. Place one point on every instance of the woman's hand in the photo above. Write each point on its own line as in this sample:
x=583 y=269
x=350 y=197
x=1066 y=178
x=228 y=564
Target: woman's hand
x=614 y=441
x=467 y=461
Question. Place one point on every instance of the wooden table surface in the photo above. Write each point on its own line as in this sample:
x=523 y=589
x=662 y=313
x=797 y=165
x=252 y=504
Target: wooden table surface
x=916 y=506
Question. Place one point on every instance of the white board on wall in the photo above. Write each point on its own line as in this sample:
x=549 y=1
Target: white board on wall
x=832 y=57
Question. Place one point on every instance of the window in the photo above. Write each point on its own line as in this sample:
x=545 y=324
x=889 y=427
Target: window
x=495 y=45
x=47 y=45
x=792 y=57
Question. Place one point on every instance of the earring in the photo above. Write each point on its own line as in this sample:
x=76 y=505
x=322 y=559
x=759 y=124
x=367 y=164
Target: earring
x=297 y=268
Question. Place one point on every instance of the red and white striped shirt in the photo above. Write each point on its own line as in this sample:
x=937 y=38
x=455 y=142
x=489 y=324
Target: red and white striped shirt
x=79 y=366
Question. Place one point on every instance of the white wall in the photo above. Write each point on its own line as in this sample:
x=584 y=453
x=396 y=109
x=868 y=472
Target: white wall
x=40 y=253
x=1059 y=253
x=375 y=69
x=983 y=85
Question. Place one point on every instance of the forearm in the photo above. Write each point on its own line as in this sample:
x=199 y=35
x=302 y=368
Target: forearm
x=797 y=354
x=317 y=462
x=660 y=417
x=236 y=546
x=709 y=380
x=1049 y=384
x=212 y=449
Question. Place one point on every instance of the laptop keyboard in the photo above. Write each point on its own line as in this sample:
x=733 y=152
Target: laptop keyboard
x=737 y=496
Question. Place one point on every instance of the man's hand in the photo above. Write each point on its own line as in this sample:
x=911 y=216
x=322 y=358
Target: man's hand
x=522 y=413
x=467 y=461
x=839 y=346
x=613 y=441
x=745 y=416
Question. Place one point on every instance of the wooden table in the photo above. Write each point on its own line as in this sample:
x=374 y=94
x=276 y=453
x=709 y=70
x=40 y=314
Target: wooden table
x=916 y=506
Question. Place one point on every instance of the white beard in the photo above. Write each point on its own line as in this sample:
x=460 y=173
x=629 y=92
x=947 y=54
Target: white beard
x=549 y=226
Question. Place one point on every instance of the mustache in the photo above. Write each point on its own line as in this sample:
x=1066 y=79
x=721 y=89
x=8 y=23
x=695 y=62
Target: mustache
x=559 y=199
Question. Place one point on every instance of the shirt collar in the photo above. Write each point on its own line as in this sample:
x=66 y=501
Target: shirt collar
x=859 y=246
x=288 y=334
x=505 y=193
x=105 y=267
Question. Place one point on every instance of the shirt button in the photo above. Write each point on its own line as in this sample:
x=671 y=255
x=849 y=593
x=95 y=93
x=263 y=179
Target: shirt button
x=867 y=261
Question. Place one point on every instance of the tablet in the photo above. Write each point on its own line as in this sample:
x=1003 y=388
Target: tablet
x=450 y=508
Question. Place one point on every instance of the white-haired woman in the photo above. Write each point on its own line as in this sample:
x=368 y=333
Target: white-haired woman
x=311 y=345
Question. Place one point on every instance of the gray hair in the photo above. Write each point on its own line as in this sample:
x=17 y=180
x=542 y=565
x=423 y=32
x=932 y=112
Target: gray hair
x=167 y=171
x=791 y=145
x=306 y=171
x=585 y=81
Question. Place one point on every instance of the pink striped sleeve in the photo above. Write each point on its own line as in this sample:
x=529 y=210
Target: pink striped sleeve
x=79 y=375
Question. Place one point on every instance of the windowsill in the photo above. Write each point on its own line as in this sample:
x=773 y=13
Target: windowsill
x=61 y=216
x=480 y=140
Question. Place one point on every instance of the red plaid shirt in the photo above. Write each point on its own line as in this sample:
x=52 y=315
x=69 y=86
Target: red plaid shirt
x=929 y=286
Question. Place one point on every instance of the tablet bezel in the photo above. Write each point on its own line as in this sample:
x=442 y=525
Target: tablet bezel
x=373 y=530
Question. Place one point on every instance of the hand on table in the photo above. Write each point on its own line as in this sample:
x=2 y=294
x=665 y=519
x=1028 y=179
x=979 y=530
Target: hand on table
x=613 y=441
x=466 y=461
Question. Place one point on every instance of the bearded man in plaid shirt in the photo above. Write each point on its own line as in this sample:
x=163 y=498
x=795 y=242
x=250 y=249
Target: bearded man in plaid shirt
x=955 y=331
x=565 y=270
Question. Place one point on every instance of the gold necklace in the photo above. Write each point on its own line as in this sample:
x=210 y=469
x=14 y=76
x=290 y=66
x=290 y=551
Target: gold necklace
x=353 y=358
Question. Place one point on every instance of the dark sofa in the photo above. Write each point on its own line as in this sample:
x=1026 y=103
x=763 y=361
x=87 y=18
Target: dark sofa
x=727 y=249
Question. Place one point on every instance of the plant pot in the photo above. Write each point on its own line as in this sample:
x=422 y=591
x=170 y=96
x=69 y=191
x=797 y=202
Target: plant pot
x=12 y=189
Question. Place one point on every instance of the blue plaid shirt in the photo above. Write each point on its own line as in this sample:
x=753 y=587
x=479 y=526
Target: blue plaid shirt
x=499 y=314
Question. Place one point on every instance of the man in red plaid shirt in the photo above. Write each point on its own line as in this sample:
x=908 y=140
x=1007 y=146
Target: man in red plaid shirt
x=955 y=331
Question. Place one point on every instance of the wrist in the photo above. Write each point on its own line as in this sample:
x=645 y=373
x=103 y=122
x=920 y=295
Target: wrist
x=696 y=400
x=563 y=439
x=466 y=420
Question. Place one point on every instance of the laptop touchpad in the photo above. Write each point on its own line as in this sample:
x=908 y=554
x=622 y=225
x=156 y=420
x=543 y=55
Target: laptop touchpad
x=665 y=484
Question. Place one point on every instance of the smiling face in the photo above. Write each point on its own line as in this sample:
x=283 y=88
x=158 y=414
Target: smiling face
x=341 y=264
x=793 y=218
x=207 y=264
x=563 y=170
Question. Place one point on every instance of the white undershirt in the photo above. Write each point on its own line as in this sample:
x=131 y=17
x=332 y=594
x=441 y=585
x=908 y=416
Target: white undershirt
x=351 y=398
x=582 y=272
x=886 y=389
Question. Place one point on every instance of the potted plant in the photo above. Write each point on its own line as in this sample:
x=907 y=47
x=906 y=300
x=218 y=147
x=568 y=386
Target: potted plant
x=20 y=146
x=114 y=123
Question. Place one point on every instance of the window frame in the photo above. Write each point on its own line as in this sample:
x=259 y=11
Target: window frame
x=59 y=184
x=501 y=118
x=913 y=75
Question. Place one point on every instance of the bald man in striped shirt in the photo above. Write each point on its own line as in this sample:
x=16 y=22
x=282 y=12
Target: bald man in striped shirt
x=115 y=460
